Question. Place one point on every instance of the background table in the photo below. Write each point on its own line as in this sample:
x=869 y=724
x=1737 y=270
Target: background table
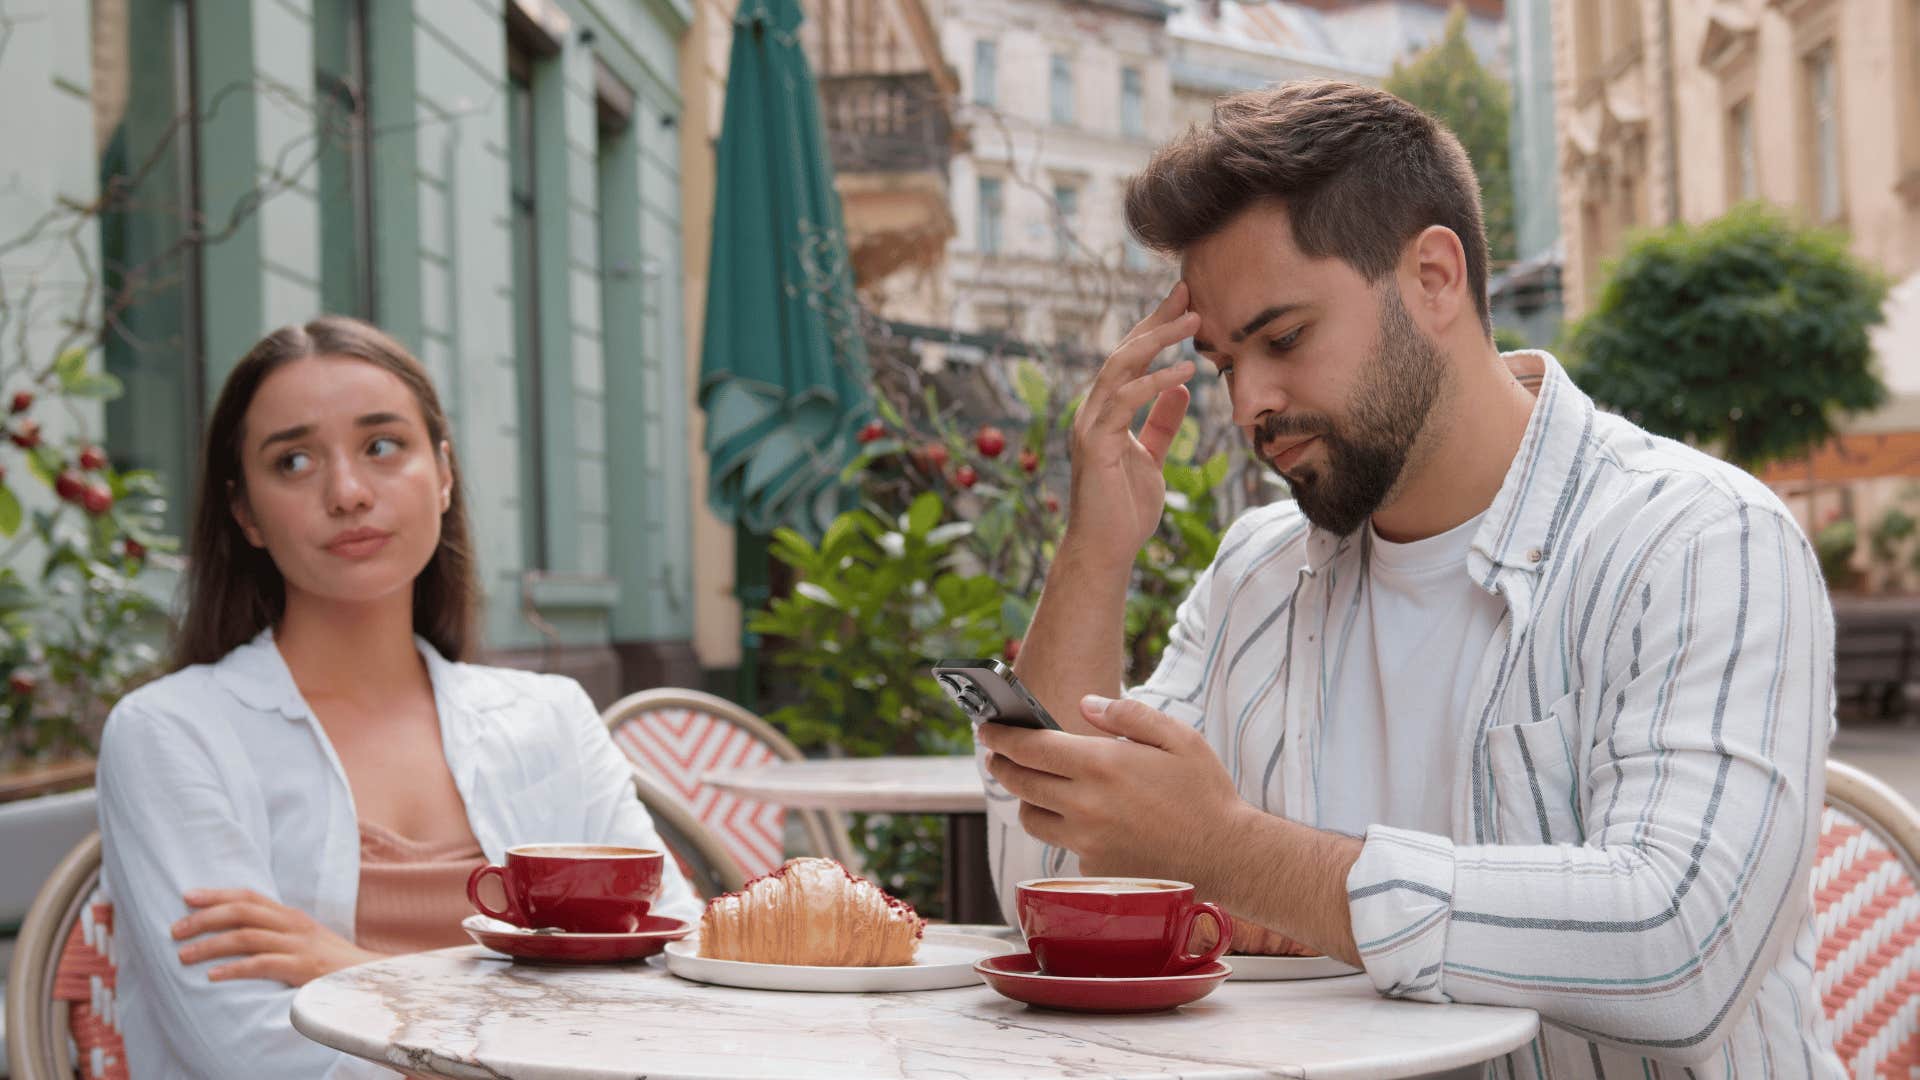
x=936 y=784
x=466 y=1013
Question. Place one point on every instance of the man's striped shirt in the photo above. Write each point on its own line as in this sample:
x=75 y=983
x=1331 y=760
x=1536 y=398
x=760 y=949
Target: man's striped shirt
x=1641 y=770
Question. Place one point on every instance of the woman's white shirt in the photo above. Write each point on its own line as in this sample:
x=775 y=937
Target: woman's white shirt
x=220 y=776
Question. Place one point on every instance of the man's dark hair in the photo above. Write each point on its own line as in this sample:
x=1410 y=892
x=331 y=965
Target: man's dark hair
x=1360 y=172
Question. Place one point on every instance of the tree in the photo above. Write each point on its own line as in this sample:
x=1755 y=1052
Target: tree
x=1448 y=82
x=1748 y=333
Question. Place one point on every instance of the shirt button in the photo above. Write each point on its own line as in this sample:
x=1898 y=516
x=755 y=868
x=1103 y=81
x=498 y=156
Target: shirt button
x=1533 y=554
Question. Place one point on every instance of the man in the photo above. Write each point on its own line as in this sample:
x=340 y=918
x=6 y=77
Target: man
x=1513 y=704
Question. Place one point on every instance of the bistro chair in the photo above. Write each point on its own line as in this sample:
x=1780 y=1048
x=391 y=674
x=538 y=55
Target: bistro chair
x=709 y=867
x=675 y=736
x=61 y=984
x=1867 y=920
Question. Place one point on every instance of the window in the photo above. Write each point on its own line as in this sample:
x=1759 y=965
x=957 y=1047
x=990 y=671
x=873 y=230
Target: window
x=986 y=73
x=1061 y=94
x=149 y=259
x=521 y=198
x=1133 y=121
x=1743 y=179
x=344 y=168
x=1586 y=42
x=987 y=237
x=1134 y=255
x=1824 y=134
x=1066 y=210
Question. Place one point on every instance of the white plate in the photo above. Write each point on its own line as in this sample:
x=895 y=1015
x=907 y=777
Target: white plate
x=943 y=962
x=1280 y=968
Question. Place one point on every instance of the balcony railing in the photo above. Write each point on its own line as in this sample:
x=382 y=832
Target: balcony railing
x=886 y=123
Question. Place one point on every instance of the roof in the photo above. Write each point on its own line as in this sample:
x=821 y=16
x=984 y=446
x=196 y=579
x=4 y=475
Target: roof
x=1288 y=32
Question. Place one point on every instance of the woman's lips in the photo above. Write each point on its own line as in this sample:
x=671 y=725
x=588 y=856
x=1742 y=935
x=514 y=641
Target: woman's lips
x=359 y=545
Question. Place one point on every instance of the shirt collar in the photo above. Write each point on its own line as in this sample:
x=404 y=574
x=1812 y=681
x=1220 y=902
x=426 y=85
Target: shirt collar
x=257 y=674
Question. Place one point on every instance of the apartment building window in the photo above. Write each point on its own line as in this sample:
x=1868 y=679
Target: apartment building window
x=1134 y=254
x=1586 y=42
x=1743 y=177
x=1066 y=211
x=1133 y=113
x=1823 y=123
x=344 y=171
x=991 y=210
x=146 y=145
x=986 y=73
x=522 y=155
x=1060 y=93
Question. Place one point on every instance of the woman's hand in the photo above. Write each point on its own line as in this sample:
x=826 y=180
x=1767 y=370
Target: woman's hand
x=274 y=941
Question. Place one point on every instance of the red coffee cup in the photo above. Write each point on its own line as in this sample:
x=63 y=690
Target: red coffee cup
x=583 y=888
x=1116 y=928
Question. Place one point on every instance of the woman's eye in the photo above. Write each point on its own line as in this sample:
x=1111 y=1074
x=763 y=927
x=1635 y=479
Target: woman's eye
x=1286 y=341
x=384 y=446
x=294 y=461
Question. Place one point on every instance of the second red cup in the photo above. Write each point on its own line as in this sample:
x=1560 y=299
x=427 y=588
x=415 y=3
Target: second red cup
x=581 y=888
x=1116 y=928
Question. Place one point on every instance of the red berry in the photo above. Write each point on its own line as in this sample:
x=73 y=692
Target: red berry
x=136 y=549
x=69 y=486
x=1012 y=651
x=1053 y=505
x=22 y=401
x=22 y=683
x=990 y=441
x=26 y=434
x=97 y=499
x=1029 y=462
x=965 y=476
x=936 y=455
x=93 y=459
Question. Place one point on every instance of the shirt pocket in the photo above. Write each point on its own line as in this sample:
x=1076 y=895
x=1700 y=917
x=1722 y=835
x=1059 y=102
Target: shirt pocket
x=1533 y=778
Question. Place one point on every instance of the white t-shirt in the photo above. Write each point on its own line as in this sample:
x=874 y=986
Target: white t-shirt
x=1396 y=699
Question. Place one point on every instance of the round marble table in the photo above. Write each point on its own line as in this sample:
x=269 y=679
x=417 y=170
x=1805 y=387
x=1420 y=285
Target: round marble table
x=464 y=1012
x=935 y=784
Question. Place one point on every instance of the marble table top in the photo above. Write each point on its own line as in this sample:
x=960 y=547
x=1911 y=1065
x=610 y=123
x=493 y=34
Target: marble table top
x=464 y=1012
x=936 y=784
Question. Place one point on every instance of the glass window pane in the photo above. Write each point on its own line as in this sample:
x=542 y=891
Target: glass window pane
x=1062 y=90
x=526 y=304
x=1132 y=111
x=344 y=165
x=988 y=238
x=986 y=73
x=149 y=258
x=1826 y=134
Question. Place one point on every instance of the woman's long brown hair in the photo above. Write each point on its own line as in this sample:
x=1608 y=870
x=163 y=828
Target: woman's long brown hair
x=234 y=590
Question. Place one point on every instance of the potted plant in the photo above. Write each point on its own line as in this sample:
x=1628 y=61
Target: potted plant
x=76 y=537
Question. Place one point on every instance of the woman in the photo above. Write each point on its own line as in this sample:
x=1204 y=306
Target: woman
x=312 y=784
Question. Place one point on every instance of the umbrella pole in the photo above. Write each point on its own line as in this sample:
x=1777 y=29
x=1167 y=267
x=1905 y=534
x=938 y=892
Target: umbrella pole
x=751 y=585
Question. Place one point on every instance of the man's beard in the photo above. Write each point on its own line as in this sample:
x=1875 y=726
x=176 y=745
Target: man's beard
x=1367 y=453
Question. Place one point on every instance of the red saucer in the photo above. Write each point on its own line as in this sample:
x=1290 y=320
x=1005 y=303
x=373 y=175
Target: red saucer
x=564 y=948
x=1017 y=976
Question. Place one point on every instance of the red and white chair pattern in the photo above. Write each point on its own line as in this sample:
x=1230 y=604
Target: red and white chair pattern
x=1867 y=920
x=62 y=983
x=676 y=736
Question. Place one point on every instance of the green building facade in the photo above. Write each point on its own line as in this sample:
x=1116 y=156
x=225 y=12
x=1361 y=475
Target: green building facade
x=495 y=182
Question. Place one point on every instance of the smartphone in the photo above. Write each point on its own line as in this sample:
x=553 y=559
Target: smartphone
x=988 y=693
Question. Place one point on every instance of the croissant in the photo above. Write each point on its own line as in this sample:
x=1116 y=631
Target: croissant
x=812 y=912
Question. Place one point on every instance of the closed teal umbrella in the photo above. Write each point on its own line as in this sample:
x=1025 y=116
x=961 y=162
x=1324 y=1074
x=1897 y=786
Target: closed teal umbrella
x=782 y=372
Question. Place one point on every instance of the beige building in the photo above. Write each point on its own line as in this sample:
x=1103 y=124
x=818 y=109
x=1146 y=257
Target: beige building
x=1674 y=110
